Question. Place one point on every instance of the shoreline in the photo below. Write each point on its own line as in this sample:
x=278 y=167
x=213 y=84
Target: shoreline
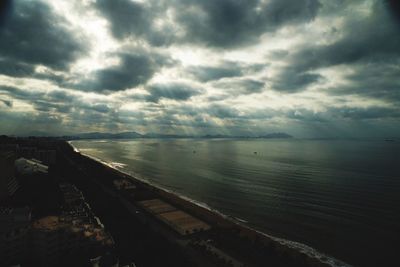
x=218 y=218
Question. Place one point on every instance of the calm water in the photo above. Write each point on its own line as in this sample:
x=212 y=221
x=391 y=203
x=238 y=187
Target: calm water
x=340 y=197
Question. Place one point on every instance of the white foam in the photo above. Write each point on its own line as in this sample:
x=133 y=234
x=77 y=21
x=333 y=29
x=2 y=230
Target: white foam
x=75 y=149
x=118 y=164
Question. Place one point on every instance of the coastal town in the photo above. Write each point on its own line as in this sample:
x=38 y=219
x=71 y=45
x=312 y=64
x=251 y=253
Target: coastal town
x=61 y=208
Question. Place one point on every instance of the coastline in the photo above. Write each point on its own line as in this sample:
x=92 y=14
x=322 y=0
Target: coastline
x=216 y=217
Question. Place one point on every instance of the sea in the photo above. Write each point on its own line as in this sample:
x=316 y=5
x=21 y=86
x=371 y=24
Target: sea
x=338 y=200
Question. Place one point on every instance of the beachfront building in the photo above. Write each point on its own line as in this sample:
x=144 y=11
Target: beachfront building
x=72 y=195
x=75 y=208
x=8 y=183
x=27 y=152
x=55 y=239
x=14 y=234
x=9 y=148
x=76 y=233
x=74 y=236
x=178 y=220
x=30 y=166
x=46 y=156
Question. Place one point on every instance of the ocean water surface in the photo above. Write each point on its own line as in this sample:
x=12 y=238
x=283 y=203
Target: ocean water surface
x=340 y=197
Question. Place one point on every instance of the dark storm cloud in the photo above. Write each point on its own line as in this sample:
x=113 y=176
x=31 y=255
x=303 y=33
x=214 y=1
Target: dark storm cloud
x=30 y=124
x=175 y=91
x=129 y=18
x=380 y=81
x=15 y=69
x=342 y=113
x=222 y=111
x=241 y=87
x=376 y=39
x=223 y=23
x=291 y=80
x=46 y=106
x=61 y=96
x=12 y=68
x=367 y=113
x=227 y=69
x=367 y=44
x=44 y=102
x=17 y=93
x=7 y=103
x=229 y=23
x=305 y=115
x=135 y=68
x=278 y=54
x=53 y=101
x=227 y=112
x=206 y=74
x=31 y=34
x=32 y=96
x=102 y=108
x=27 y=121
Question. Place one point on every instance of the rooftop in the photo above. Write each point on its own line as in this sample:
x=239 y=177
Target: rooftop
x=184 y=223
x=53 y=223
x=180 y=221
x=6 y=154
x=156 y=206
x=49 y=223
x=26 y=166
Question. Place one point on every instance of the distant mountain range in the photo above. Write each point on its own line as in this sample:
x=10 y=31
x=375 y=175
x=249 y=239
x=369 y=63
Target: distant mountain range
x=97 y=135
x=133 y=135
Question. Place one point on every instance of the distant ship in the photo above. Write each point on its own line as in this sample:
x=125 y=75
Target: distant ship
x=390 y=140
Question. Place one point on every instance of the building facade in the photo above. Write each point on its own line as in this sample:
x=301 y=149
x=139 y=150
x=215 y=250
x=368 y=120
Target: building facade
x=14 y=234
x=8 y=183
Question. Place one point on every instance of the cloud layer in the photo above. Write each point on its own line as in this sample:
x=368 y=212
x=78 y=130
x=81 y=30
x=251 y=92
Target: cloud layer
x=307 y=67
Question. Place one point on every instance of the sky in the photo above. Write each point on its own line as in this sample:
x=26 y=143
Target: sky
x=310 y=68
